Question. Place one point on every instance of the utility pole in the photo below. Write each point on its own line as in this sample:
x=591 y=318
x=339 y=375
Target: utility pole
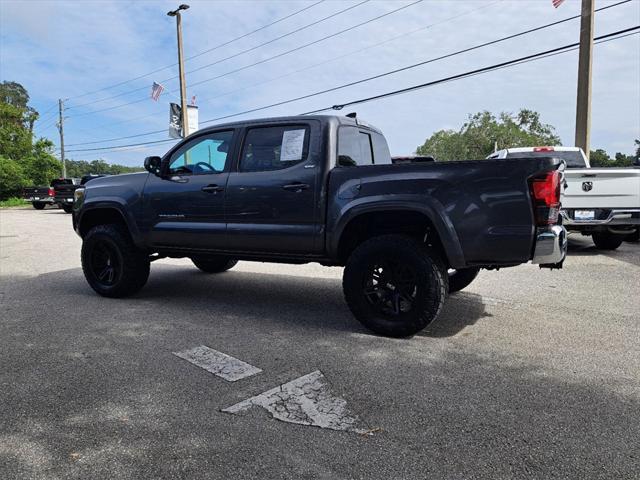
x=61 y=130
x=583 y=101
x=183 y=86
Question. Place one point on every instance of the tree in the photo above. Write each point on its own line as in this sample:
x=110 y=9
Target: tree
x=483 y=131
x=599 y=158
x=12 y=178
x=15 y=95
x=25 y=161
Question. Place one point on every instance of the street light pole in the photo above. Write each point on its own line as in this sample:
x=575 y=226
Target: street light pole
x=183 y=86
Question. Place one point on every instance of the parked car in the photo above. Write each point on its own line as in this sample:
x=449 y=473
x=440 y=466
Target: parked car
x=64 y=189
x=323 y=189
x=39 y=197
x=601 y=202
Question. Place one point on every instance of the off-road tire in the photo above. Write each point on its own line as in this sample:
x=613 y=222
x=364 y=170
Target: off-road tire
x=214 y=265
x=461 y=278
x=67 y=208
x=132 y=263
x=429 y=285
x=39 y=205
x=607 y=241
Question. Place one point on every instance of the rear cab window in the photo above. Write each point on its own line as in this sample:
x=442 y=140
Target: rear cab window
x=573 y=159
x=360 y=147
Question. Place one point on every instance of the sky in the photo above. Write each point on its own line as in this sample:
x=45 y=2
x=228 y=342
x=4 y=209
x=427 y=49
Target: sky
x=84 y=51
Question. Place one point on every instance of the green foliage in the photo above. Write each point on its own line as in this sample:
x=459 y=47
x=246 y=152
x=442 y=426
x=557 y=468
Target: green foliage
x=12 y=178
x=78 y=168
x=600 y=158
x=482 y=131
x=12 y=202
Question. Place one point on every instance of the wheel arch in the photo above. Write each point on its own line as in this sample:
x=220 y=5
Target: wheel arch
x=104 y=213
x=365 y=221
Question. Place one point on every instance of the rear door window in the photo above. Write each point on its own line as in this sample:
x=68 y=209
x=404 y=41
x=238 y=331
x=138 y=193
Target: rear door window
x=274 y=148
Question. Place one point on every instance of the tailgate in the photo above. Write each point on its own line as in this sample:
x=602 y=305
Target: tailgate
x=65 y=191
x=602 y=188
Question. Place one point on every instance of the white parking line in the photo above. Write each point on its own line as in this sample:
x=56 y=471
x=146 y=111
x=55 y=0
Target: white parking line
x=218 y=363
x=306 y=400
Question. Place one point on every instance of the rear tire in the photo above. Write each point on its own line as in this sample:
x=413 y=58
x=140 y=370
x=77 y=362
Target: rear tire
x=607 y=241
x=461 y=278
x=67 y=208
x=111 y=263
x=394 y=285
x=214 y=265
x=39 y=205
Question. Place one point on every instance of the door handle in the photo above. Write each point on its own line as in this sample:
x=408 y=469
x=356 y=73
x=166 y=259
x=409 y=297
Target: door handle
x=212 y=189
x=296 y=187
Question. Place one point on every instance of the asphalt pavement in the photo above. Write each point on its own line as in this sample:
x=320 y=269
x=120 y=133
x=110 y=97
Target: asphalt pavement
x=528 y=373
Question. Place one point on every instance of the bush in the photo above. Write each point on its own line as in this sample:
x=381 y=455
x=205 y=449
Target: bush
x=12 y=178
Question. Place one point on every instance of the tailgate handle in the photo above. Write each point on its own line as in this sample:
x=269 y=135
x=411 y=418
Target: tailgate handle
x=212 y=189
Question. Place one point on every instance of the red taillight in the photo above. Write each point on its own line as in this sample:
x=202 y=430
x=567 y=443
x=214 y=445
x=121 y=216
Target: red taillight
x=545 y=191
x=543 y=149
x=51 y=192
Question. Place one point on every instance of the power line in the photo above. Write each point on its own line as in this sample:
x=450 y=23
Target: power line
x=468 y=74
x=374 y=77
x=518 y=61
x=203 y=52
x=309 y=67
x=316 y=22
x=261 y=61
x=117 y=147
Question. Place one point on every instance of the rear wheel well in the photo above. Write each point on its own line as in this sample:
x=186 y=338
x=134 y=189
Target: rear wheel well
x=101 y=216
x=373 y=224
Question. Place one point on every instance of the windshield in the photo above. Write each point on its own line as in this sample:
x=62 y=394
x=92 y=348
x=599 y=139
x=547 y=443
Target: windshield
x=573 y=159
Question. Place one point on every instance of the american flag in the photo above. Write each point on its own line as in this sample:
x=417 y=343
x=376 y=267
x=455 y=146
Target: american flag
x=156 y=91
x=556 y=3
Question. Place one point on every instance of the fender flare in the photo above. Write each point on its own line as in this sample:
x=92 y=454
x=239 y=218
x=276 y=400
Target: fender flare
x=112 y=204
x=428 y=207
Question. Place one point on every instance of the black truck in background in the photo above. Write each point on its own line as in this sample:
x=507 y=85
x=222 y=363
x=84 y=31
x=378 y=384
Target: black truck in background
x=65 y=188
x=323 y=189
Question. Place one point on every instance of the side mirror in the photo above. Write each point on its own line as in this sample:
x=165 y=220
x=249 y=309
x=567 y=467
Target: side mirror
x=152 y=165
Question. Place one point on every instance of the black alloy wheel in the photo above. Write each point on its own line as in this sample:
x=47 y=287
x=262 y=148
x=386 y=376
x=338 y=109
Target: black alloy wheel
x=105 y=263
x=391 y=288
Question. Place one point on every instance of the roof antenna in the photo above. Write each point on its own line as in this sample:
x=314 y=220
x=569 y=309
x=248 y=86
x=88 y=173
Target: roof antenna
x=351 y=115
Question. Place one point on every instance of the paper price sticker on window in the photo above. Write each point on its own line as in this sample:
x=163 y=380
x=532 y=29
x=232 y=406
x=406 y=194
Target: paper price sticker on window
x=292 y=145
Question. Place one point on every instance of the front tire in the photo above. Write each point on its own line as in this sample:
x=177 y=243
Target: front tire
x=214 y=265
x=111 y=263
x=394 y=285
x=461 y=278
x=606 y=240
x=38 y=205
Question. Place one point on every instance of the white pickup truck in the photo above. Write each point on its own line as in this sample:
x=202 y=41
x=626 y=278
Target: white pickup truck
x=601 y=202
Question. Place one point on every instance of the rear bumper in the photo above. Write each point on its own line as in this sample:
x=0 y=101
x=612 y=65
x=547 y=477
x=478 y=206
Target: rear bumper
x=40 y=199
x=64 y=201
x=612 y=217
x=551 y=246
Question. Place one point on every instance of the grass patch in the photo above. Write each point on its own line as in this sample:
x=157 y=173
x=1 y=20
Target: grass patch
x=12 y=202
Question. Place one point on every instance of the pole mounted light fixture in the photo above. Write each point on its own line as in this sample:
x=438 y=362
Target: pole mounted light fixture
x=173 y=13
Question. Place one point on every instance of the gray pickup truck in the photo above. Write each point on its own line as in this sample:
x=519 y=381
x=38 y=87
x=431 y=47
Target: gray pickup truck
x=323 y=189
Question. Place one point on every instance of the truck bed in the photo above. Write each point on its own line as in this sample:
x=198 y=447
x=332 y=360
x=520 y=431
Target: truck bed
x=484 y=206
